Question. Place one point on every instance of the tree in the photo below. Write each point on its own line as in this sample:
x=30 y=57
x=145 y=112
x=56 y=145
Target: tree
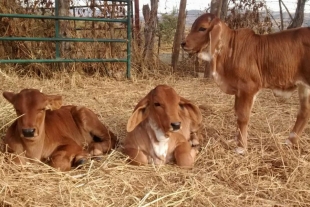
x=150 y=18
x=64 y=6
x=299 y=15
x=219 y=8
x=223 y=11
x=167 y=26
x=137 y=22
x=178 y=34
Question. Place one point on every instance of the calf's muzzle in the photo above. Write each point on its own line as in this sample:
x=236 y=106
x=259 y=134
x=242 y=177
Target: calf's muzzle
x=175 y=126
x=28 y=132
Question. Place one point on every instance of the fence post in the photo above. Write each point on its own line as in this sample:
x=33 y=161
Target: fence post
x=178 y=35
x=61 y=36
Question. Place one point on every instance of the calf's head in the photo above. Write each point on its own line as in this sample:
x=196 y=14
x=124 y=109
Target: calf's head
x=30 y=106
x=204 y=36
x=164 y=110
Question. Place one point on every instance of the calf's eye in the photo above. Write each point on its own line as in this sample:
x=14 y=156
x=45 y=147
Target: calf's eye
x=181 y=106
x=202 y=29
x=156 y=104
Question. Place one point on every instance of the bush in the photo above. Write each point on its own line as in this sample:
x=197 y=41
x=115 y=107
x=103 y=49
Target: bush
x=167 y=26
x=249 y=14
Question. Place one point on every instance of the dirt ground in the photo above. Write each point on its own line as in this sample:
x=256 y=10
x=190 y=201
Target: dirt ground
x=270 y=174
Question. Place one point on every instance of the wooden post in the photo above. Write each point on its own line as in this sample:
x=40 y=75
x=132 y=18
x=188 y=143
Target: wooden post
x=150 y=17
x=137 y=23
x=299 y=15
x=289 y=13
x=223 y=12
x=178 y=34
x=64 y=6
x=216 y=6
x=281 y=14
x=93 y=15
x=112 y=31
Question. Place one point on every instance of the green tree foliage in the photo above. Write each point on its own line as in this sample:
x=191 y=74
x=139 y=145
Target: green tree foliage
x=167 y=26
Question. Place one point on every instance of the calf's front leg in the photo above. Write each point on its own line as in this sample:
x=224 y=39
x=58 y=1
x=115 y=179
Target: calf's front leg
x=67 y=156
x=136 y=156
x=243 y=105
x=185 y=155
x=303 y=114
x=90 y=123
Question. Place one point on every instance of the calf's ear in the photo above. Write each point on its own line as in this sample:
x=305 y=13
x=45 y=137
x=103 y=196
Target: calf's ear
x=9 y=96
x=138 y=115
x=53 y=102
x=194 y=114
x=215 y=33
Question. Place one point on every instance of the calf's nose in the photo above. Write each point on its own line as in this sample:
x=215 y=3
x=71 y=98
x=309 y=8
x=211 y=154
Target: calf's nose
x=28 y=132
x=176 y=126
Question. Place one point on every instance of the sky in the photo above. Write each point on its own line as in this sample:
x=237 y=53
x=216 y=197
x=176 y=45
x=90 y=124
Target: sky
x=165 y=6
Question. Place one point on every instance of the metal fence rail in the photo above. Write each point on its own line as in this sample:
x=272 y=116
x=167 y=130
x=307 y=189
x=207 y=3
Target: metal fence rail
x=58 y=39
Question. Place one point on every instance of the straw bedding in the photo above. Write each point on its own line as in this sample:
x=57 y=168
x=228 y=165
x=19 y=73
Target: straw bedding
x=270 y=174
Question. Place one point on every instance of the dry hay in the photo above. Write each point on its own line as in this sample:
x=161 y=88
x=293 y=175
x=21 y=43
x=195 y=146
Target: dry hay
x=269 y=175
x=45 y=28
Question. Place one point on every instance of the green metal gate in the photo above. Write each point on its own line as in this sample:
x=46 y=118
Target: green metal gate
x=58 y=39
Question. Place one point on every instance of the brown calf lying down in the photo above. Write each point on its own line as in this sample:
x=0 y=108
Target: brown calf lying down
x=159 y=130
x=243 y=63
x=48 y=132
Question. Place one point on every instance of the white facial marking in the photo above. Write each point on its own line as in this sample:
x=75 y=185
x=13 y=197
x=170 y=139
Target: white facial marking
x=160 y=147
x=159 y=134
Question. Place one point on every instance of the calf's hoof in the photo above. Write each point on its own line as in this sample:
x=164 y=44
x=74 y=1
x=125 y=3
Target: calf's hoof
x=292 y=143
x=96 y=152
x=97 y=158
x=292 y=140
x=240 y=150
x=288 y=143
x=79 y=162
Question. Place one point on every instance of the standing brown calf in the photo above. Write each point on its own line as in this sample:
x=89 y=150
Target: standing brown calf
x=242 y=63
x=49 y=132
x=160 y=129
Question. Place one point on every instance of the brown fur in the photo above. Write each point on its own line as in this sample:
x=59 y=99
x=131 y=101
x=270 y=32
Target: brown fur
x=60 y=132
x=151 y=129
x=242 y=63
